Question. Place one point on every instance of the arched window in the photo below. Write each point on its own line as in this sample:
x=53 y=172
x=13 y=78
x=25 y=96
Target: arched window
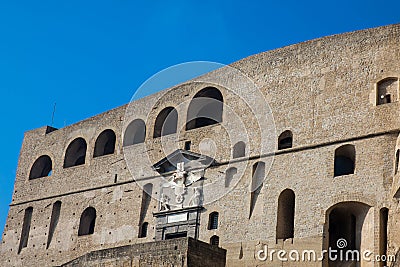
x=26 y=227
x=345 y=158
x=396 y=167
x=105 y=144
x=229 y=176
x=166 y=122
x=76 y=153
x=205 y=108
x=213 y=221
x=41 y=168
x=214 y=240
x=239 y=150
x=285 y=218
x=387 y=90
x=87 y=222
x=143 y=230
x=285 y=140
x=135 y=133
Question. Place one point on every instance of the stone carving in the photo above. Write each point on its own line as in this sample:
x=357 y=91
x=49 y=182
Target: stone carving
x=164 y=202
x=196 y=199
x=179 y=182
x=179 y=176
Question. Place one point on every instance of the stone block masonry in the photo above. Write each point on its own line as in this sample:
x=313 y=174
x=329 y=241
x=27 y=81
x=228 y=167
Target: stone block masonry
x=322 y=166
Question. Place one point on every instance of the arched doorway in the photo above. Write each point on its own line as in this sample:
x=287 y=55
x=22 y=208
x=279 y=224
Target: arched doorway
x=347 y=233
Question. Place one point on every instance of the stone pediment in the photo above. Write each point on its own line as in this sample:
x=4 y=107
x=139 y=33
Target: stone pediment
x=190 y=159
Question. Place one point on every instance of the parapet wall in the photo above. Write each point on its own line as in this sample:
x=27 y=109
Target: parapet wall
x=177 y=252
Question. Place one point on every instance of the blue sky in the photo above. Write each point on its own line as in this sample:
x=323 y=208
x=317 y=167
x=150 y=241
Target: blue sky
x=90 y=56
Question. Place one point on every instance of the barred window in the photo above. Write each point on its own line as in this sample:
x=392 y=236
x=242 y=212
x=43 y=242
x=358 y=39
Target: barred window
x=213 y=221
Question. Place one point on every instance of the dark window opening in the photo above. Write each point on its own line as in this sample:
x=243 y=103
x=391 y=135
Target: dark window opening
x=41 y=168
x=188 y=145
x=342 y=222
x=383 y=234
x=203 y=122
x=87 y=222
x=26 y=227
x=345 y=157
x=213 y=221
x=285 y=217
x=135 y=133
x=105 y=144
x=76 y=153
x=205 y=109
x=143 y=230
x=175 y=235
x=239 y=150
x=166 y=122
x=285 y=140
x=396 y=167
x=214 y=240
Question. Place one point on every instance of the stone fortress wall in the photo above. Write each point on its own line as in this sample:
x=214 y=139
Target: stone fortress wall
x=337 y=94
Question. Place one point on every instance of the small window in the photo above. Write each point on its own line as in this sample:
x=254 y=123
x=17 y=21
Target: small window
x=387 y=91
x=41 y=168
x=345 y=157
x=396 y=167
x=76 y=153
x=188 y=145
x=166 y=122
x=87 y=222
x=285 y=140
x=135 y=133
x=143 y=230
x=214 y=240
x=105 y=144
x=213 y=221
x=239 y=150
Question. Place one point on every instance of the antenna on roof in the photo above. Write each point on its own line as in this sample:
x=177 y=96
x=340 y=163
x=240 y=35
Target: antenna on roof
x=52 y=116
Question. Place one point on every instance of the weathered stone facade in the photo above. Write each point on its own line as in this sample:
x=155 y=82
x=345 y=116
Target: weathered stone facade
x=338 y=97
